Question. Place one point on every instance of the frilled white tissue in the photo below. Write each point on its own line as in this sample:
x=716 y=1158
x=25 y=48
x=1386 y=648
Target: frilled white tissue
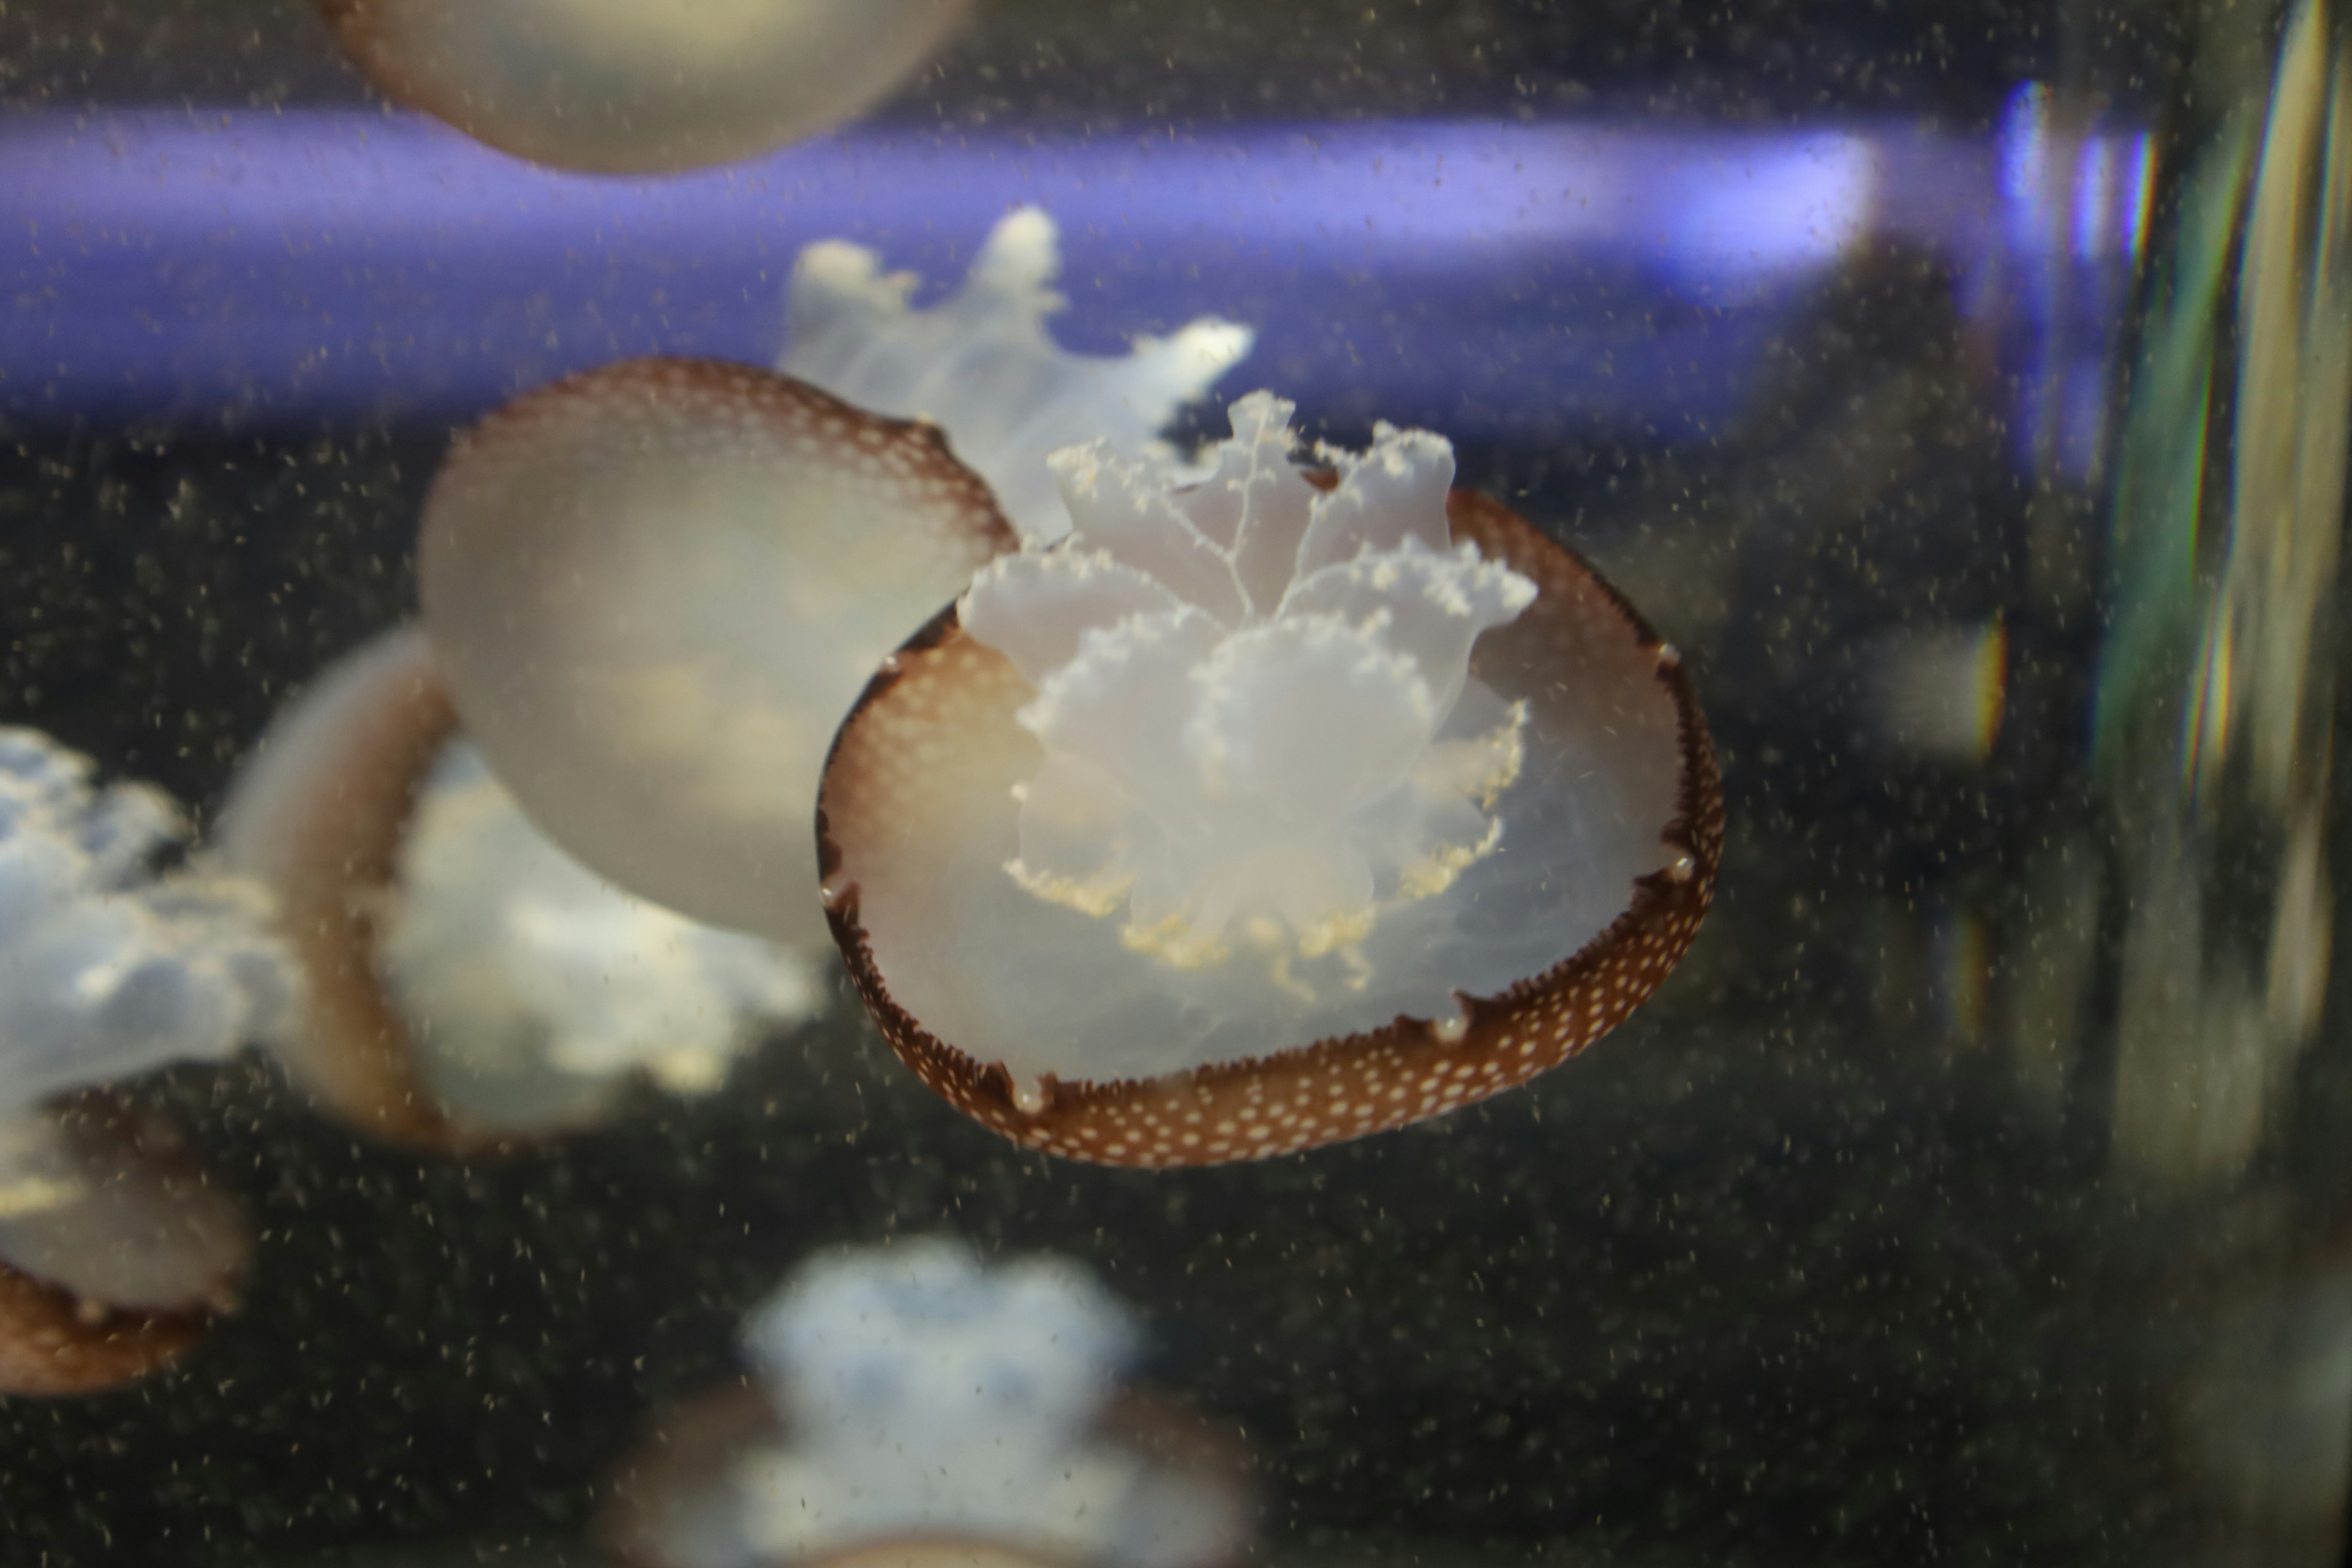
x=108 y=969
x=981 y=366
x=1240 y=686
x=1243 y=764
x=532 y=986
x=926 y=1395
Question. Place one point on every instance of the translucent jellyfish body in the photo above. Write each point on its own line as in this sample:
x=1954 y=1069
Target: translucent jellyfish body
x=116 y=1251
x=538 y=990
x=1268 y=809
x=909 y=1399
x=657 y=587
x=640 y=86
x=981 y=366
x=471 y=982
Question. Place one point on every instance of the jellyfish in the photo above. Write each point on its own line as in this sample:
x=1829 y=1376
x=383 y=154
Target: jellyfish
x=470 y=983
x=657 y=587
x=640 y=87
x=1266 y=810
x=116 y=1250
x=907 y=1398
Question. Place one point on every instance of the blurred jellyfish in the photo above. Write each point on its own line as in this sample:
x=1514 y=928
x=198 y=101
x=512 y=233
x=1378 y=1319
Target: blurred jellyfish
x=658 y=586
x=908 y=1396
x=640 y=86
x=1268 y=809
x=471 y=982
x=522 y=965
x=115 y=1251
x=981 y=366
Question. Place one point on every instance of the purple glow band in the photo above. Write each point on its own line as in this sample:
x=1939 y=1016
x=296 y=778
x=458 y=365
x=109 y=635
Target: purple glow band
x=1491 y=278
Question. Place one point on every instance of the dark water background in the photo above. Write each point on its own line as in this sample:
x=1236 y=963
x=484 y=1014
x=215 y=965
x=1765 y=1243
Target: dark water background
x=1800 y=1266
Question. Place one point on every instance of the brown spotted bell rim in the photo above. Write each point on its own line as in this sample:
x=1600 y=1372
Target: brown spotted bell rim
x=1268 y=812
x=319 y=815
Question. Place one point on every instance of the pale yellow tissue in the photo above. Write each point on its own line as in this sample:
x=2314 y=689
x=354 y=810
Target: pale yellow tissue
x=27 y=1194
x=1098 y=895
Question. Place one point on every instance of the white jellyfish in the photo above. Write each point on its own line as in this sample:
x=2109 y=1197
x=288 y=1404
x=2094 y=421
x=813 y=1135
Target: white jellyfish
x=640 y=86
x=1281 y=801
x=912 y=1396
x=471 y=983
x=115 y=1248
x=1252 y=701
x=657 y=587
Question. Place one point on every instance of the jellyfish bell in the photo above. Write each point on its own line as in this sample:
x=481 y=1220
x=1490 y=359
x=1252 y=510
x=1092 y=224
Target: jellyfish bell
x=471 y=986
x=116 y=1250
x=640 y=87
x=1264 y=812
x=656 y=587
x=318 y=817
x=908 y=1406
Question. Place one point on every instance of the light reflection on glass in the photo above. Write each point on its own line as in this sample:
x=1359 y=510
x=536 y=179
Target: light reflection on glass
x=278 y=269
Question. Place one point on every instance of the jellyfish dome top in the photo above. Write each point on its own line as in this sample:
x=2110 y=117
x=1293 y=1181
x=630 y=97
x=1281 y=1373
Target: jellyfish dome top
x=1268 y=808
x=912 y=1397
x=657 y=588
x=471 y=984
x=640 y=86
x=115 y=1250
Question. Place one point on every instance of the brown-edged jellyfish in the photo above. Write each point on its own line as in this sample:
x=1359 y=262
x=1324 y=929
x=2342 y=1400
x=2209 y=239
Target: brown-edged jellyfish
x=640 y=86
x=116 y=1250
x=1260 y=813
x=910 y=1406
x=657 y=587
x=470 y=983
